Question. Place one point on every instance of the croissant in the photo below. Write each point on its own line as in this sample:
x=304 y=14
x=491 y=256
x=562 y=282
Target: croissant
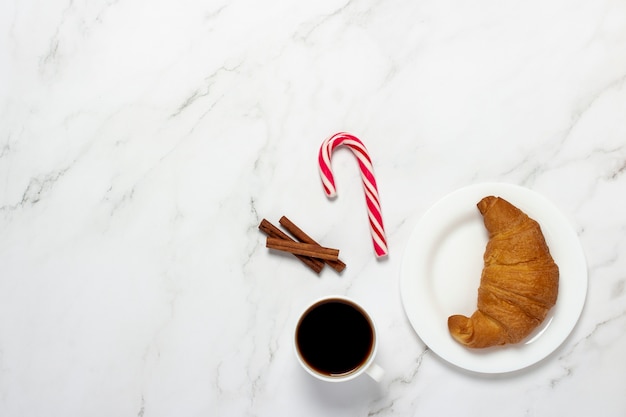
x=519 y=282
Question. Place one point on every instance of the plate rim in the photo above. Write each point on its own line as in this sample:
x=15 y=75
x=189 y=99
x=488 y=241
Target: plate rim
x=581 y=284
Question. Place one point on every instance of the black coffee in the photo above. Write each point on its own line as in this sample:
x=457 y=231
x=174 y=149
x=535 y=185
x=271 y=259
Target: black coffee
x=334 y=337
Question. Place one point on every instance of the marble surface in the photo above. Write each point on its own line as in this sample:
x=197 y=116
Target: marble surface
x=141 y=143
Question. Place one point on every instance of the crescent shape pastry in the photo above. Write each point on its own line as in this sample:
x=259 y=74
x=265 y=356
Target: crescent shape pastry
x=519 y=282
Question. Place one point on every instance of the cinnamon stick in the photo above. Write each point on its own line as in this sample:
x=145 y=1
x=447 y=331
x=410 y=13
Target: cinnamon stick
x=272 y=231
x=299 y=248
x=299 y=234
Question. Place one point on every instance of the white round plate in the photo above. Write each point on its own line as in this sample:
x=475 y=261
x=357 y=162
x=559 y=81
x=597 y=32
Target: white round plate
x=441 y=268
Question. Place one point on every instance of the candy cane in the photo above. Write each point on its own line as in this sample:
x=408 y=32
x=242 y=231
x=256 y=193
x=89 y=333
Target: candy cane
x=369 y=183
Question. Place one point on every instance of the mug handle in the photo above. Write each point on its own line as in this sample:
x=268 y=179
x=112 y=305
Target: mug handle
x=375 y=372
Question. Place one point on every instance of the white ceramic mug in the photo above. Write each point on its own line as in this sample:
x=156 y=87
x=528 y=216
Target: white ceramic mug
x=335 y=340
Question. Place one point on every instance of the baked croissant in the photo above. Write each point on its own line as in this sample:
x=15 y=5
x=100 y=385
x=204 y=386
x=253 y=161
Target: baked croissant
x=519 y=282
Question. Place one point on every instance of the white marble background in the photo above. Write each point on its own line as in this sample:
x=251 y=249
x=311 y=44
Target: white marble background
x=141 y=142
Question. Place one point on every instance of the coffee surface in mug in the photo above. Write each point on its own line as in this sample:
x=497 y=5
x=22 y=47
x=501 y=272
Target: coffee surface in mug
x=335 y=337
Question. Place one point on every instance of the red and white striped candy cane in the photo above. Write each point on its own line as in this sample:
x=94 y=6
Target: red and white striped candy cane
x=369 y=183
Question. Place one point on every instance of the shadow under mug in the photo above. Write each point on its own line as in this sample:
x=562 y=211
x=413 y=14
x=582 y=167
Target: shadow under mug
x=335 y=340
